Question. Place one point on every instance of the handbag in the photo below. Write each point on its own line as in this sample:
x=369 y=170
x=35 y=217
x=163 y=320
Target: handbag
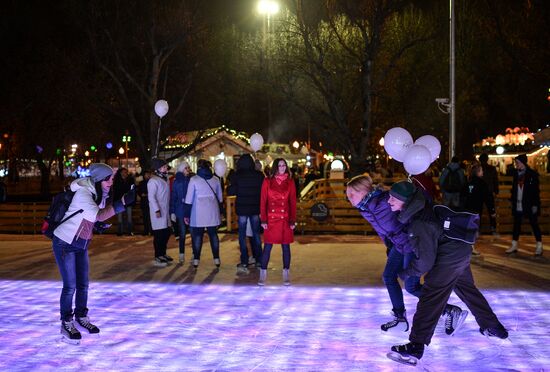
x=220 y=203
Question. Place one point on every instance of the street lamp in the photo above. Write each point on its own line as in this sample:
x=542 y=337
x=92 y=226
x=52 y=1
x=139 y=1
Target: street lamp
x=127 y=139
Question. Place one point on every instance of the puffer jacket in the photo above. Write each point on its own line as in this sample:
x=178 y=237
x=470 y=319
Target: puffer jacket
x=378 y=213
x=179 y=191
x=78 y=230
x=246 y=185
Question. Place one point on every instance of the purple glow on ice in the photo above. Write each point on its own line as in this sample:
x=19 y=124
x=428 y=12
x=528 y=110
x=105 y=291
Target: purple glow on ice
x=169 y=327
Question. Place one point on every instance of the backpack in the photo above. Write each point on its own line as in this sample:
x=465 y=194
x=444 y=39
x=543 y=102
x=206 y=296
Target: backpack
x=452 y=182
x=56 y=212
x=461 y=226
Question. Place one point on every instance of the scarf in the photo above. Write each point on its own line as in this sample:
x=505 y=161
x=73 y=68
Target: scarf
x=163 y=175
x=280 y=178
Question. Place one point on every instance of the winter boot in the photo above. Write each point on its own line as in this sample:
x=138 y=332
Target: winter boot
x=513 y=248
x=84 y=322
x=286 y=277
x=398 y=323
x=408 y=354
x=263 y=277
x=455 y=317
x=69 y=333
x=538 y=249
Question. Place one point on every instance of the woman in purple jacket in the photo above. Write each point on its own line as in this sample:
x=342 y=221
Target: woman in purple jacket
x=372 y=203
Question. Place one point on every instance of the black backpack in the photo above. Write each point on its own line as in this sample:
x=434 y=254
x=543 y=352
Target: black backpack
x=461 y=226
x=56 y=212
x=452 y=182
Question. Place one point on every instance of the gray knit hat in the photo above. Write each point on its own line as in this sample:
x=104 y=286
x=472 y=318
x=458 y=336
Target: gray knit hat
x=100 y=171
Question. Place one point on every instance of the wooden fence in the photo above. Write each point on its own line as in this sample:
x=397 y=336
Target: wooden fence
x=26 y=218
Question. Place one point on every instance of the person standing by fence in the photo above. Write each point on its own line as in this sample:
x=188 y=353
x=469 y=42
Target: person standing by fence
x=177 y=202
x=490 y=176
x=278 y=216
x=123 y=182
x=451 y=182
x=525 y=202
x=158 y=194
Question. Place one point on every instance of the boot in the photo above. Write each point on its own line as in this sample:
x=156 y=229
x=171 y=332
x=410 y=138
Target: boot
x=263 y=277
x=538 y=249
x=286 y=277
x=513 y=248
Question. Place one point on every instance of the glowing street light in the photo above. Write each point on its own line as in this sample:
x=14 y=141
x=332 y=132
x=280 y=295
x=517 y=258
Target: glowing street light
x=126 y=139
x=121 y=150
x=268 y=7
x=296 y=145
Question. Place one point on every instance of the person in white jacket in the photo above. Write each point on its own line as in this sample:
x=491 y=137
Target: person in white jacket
x=70 y=245
x=202 y=210
x=158 y=193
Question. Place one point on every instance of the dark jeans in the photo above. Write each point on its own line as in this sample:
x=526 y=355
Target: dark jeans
x=160 y=241
x=533 y=220
x=267 y=254
x=450 y=271
x=394 y=265
x=73 y=265
x=197 y=234
x=146 y=218
x=125 y=224
x=256 y=241
x=182 y=232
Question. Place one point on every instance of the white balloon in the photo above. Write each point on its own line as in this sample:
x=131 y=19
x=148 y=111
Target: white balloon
x=256 y=141
x=161 y=108
x=431 y=143
x=396 y=142
x=417 y=159
x=220 y=167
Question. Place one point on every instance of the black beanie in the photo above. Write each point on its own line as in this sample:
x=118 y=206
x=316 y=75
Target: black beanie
x=402 y=190
x=522 y=158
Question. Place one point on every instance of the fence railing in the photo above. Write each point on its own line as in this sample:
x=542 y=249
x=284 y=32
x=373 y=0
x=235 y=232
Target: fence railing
x=27 y=218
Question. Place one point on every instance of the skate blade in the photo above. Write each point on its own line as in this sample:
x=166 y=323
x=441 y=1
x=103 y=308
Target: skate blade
x=460 y=322
x=70 y=341
x=396 y=357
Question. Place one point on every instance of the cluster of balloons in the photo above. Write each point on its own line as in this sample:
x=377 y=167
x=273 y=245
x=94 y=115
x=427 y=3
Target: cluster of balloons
x=416 y=156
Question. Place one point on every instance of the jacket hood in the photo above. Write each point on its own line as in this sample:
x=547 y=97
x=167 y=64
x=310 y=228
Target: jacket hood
x=415 y=204
x=205 y=173
x=454 y=166
x=181 y=176
x=83 y=183
x=245 y=162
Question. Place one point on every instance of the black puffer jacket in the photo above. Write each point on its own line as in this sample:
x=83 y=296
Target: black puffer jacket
x=246 y=185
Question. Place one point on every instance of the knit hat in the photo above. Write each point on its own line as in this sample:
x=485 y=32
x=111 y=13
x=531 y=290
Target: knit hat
x=522 y=158
x=100 y=171
x=182 y=166
x=402 y=190
x=157 y=163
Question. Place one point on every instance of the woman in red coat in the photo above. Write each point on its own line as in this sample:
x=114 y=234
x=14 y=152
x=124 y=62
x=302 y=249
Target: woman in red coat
x=278 y=216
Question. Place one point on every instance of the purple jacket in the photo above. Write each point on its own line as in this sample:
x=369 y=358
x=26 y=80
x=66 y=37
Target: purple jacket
x=377 y=211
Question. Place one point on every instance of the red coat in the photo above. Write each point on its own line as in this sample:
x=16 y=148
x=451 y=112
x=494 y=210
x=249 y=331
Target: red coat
x=278 y=210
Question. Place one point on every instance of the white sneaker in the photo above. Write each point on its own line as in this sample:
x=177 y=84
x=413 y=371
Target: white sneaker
x=217 y=262
x=242 y=269
x=538 y=250
x=251 y=260
x=196 y=263
x=513 y=248
x=159 y=263
x=182 y=258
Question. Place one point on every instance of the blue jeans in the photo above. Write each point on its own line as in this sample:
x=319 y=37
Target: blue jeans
x=395 y=264
x=73 y=264
x=125 y=224
x=182 y=232
x=256 y=242
x=196 y=240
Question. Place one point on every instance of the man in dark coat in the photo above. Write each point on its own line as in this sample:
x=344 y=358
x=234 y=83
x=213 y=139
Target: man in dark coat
x=246 y=185
x=123 y=182
x=490 y=176
x=525 y=202
x=447 y=264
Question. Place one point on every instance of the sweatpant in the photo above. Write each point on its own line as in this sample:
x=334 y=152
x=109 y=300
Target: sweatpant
x=160 y=241
x=450 y=271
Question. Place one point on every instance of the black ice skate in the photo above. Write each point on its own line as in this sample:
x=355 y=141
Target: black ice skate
x=84 y=322
x=399 y=323
x=408 y=354
x=69 y=333
x=499 y=332
x=455 y=318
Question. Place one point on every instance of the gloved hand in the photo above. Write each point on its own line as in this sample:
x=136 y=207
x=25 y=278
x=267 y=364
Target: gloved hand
x=129 y=197
x=534 y=209
x=173 y=217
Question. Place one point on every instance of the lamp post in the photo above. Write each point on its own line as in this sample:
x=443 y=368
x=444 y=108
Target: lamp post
x=127 y=138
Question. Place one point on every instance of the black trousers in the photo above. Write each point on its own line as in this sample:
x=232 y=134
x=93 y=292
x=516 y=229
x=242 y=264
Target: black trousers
x=451 y=271
x=533 y=220
x=160 y=241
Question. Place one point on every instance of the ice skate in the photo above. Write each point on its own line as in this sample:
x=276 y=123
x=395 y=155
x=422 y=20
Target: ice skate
x=84 y=323
x=513 y=248
x=455 y=317
x=69 y=333
x=538 y=249
x=263 y=277
x=408 y=354
x=286 y=277
x=499 y=332
x=399 y=323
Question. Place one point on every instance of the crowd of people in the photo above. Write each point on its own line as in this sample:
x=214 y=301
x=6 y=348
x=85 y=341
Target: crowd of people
x=404 y=217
